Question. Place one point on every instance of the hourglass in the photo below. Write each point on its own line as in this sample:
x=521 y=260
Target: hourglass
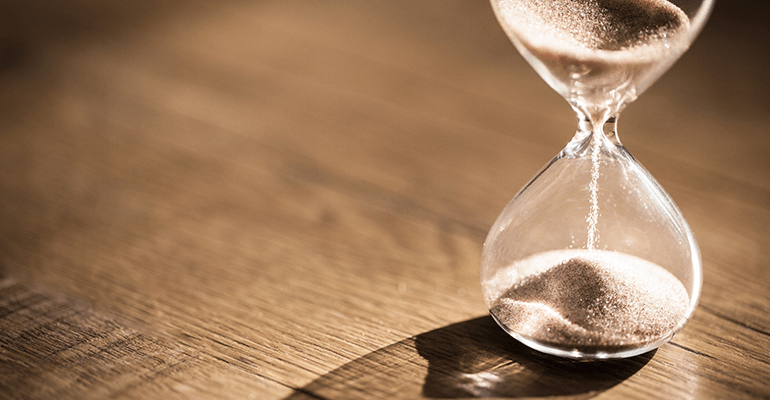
x=592 y=258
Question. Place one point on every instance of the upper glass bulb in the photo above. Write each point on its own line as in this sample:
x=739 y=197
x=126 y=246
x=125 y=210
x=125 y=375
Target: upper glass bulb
x=601 y=55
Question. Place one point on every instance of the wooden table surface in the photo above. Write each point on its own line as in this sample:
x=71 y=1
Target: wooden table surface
x=288 y=199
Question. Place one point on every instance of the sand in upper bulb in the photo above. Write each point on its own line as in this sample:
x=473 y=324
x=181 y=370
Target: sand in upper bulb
x=593 y=24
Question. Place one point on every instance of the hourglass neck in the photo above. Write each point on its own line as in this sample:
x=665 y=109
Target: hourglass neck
x=603 y=128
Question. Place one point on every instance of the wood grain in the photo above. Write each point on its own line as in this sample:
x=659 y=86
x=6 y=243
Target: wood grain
x=287 y=200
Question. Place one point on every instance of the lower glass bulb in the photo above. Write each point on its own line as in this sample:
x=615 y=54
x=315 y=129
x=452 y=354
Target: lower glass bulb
x=592 y=258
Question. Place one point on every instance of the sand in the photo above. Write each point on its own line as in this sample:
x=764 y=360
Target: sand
x=592 y=299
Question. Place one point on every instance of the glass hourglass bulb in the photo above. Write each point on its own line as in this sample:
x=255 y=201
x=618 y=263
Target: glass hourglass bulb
x=592 y=259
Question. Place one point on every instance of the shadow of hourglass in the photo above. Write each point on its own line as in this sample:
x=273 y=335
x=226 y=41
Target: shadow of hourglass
x=469 y=359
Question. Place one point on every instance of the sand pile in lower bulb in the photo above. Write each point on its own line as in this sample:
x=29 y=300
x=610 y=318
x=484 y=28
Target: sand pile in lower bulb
x=594 y=300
